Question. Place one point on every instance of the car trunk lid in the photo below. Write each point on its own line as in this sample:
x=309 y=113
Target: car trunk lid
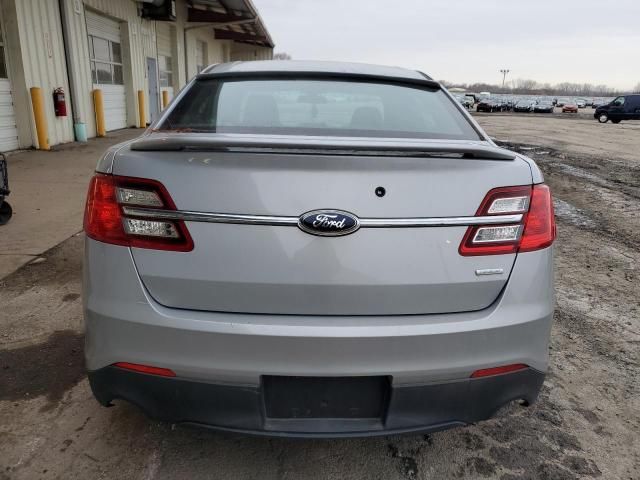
x=280 y=269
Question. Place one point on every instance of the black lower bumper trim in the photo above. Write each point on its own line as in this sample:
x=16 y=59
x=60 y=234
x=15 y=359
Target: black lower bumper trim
x=420 y=408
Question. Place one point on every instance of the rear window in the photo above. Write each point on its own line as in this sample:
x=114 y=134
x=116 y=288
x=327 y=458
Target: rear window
x=318 y=107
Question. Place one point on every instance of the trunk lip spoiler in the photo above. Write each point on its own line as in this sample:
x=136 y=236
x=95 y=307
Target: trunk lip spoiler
x=305 y=145
x=423 y=80
x=291 y=221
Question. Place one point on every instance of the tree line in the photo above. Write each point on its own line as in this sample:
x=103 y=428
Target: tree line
x=527 y=86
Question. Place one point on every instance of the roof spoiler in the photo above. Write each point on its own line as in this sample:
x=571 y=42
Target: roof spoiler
x=191 y=142
x=425 y=81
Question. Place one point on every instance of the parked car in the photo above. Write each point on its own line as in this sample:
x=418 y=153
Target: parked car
x=489 y=105
x=562 y=102
x=507 y=104
x=543 y=107
x=569 y=108
x=625 y=107
x=465 y=101
x=580 y=102
x=523 y=106
x=256 y=265
x=469 y=101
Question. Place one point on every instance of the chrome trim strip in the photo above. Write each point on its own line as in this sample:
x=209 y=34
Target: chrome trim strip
x=188 y=216
x=210 y=217
x=439 y=221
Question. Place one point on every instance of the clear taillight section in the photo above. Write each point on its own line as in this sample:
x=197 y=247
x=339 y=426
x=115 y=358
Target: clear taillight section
x=105 y=220
x=535 y=231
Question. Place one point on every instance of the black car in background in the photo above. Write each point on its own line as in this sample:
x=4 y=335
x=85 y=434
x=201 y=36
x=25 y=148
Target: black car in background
x=523 y=106
x=624 y=107
x=489 y=105
x=543 y=106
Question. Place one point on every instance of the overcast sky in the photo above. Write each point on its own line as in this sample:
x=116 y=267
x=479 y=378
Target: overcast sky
x=592 y=41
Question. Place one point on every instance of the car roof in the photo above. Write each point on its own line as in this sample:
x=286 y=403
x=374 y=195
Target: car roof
x=305 y=66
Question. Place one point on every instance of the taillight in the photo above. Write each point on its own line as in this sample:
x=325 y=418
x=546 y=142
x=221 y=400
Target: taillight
x=536 y=229
x=105 y=219
x=540 y=222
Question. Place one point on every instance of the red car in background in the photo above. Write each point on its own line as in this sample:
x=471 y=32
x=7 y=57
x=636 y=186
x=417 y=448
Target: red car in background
x=570 y=108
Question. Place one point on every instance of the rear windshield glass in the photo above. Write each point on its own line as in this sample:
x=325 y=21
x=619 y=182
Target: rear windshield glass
x=318 y=107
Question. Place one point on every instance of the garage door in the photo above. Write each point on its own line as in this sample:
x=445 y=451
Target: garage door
x=8 y=130
x=105 y=54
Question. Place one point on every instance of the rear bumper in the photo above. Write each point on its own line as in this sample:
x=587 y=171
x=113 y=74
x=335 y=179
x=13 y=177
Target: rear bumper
x=408 y=409
x=124 y=324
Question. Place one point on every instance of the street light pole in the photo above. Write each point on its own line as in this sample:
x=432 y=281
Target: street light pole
x=504 y=75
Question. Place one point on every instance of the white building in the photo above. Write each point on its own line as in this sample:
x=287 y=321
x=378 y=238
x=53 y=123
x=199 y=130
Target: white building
x=117 y=46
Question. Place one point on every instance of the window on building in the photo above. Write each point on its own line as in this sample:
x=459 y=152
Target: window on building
x=165 y=66
x=106 y=61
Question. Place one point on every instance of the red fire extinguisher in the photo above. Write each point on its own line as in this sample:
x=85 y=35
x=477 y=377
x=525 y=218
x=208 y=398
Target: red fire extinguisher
x=59 y=103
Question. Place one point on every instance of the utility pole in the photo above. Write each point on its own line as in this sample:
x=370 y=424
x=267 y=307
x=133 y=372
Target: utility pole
x=504 y=75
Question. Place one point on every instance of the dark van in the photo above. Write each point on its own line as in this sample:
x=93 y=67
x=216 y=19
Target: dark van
x=624 y=107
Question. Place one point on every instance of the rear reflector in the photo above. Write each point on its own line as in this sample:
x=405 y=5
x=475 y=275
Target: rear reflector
x=487 y=372
x=535 y=231
x=163 y=372
x=105 y=221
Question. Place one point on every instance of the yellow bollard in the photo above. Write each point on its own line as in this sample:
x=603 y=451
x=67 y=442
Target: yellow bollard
x=40 y=118
x=141 y=112
x=98 y=104
x=165 y=99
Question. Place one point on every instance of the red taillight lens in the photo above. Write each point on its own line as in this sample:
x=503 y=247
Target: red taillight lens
x=105 y=221
x=540 y=223
x=102 y=215
x=535 y=231
x=487 y=372
x=163 y=372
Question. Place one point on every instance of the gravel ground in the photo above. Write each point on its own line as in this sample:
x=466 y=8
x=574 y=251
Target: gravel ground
x=585 y=425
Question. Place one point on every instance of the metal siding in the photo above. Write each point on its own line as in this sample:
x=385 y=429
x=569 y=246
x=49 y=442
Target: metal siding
x=214 y=52
x=240 y=51
x=165 y=38
x=163 y=33
x=42 y=47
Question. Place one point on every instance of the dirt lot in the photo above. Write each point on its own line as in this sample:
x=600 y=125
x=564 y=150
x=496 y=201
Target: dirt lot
x=586 y=424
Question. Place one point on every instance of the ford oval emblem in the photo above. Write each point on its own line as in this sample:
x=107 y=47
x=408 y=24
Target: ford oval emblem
x=328 y=223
